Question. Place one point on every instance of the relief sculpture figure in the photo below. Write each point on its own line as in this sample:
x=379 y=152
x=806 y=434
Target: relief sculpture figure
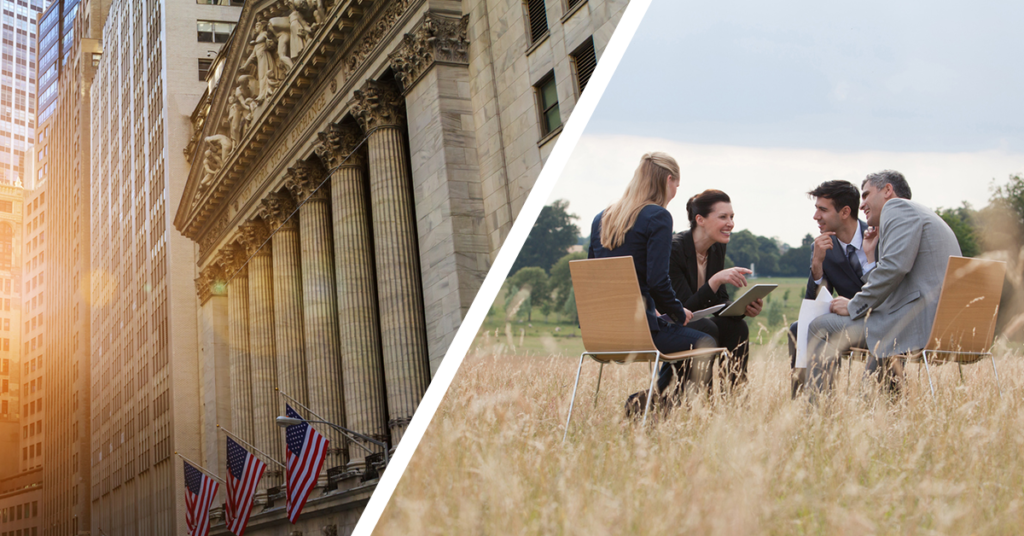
x=262 y=54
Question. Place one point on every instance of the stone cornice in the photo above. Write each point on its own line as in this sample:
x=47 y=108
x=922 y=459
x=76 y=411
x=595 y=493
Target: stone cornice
x=438 y=39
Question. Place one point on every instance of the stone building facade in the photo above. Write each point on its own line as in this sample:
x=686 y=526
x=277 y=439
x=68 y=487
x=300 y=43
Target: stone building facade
x=355 y=167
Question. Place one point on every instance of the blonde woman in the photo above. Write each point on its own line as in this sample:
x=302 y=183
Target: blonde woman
x=638 y=225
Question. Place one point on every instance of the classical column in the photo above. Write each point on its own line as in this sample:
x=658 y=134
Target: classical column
x=214 y=363
x=276 y=210
x=323 y=346
x=236 y=273
x=361 y=368
x=379 y=108
x=262 y=348
x=432 y=68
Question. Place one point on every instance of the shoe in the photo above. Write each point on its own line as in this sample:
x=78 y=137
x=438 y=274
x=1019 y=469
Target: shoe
x=635 y=405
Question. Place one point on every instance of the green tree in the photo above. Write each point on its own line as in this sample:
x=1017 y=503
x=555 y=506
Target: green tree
x=1011 y=196
x=962 y=221
x=550 y=239
x=533 y=280
x=560 y=282
x=768 y=256
x=743 y=248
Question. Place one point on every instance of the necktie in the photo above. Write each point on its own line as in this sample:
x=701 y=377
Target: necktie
x=851 y=254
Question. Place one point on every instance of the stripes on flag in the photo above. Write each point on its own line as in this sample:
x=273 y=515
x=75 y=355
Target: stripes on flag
x=244 y=473
x=307 y=450
x=200 y=490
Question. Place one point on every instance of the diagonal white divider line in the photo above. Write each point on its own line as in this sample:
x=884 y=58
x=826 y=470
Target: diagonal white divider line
x=549 y=175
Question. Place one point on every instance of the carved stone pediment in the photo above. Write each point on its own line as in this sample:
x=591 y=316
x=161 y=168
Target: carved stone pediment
x=278 y=51
x=438 y=39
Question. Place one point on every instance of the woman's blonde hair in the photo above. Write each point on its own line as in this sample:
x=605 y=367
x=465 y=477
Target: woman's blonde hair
x=648 y=187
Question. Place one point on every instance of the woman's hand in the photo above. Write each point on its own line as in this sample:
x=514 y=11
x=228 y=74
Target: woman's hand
x=754 y=307
x=733 y=276
x=689 y=316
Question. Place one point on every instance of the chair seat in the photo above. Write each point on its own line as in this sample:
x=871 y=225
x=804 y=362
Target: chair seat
x=648 y=356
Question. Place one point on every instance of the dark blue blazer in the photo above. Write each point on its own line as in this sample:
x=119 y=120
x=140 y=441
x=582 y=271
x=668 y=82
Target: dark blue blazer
x=839 y=275
x=649 y=242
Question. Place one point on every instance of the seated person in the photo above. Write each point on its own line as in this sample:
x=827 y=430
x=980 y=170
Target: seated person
x=699 y=279
x=892 y=314
x=639 y=225
x=843 y=253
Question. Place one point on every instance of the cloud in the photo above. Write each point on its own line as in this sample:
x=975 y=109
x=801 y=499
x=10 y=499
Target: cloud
x=768 y=185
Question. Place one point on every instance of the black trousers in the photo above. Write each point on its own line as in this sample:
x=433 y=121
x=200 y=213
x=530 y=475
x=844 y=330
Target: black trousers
x=730 y=332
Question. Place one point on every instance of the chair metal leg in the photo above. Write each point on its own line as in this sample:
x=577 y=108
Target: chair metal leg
x=849 y=371
x=573 y=399
x=650 y=393
x=600 y=372
x=996 y=372
x=929 y=373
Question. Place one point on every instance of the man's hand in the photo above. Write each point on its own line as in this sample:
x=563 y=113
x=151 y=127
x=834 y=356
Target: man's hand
x=840 y=306
x=821 y=246
x=870 y=242
x=754 y=307
x=733 y=276
x=688 y=314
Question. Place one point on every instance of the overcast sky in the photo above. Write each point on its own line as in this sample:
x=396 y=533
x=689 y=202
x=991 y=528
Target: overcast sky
x=765 y=102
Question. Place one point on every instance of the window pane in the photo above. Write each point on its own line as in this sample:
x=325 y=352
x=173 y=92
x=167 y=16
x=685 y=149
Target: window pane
x=553 y=118
x=549 y=94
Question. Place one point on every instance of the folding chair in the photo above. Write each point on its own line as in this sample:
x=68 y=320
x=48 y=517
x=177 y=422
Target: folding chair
x=613 y=322
x=965 y=319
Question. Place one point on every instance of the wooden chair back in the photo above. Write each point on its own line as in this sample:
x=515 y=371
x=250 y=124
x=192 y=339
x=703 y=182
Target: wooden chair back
x=611 y=308
x=965 y=320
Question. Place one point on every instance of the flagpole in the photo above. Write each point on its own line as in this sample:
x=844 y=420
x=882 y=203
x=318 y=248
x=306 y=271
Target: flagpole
x=246 y=443
x=311 y=412
x=200 y=468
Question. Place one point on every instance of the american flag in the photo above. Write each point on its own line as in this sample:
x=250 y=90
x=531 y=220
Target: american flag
x=199 y=492
x=306 y=452
x=244 y=472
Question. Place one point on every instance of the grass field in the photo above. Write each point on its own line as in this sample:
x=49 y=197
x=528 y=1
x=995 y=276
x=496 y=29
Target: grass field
x=752 y=462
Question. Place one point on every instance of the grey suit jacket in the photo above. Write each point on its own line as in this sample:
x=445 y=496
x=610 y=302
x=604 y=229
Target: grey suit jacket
x=901 y=294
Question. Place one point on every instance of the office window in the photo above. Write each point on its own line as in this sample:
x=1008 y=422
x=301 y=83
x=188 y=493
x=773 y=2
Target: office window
x=584 y=60
x=214 y=32
x=538 y=18
x=547 y=97
x=204 y=68
x=569 y=4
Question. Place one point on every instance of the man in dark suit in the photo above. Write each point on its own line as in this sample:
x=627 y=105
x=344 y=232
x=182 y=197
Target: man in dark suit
x=842 y=254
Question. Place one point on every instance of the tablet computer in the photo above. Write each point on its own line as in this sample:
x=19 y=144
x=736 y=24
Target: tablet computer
x=739 y=307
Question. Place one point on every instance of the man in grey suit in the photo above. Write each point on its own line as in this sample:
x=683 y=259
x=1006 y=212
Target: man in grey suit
x=893 y=312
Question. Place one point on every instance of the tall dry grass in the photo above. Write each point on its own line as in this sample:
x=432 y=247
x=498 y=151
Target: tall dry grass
x=754 y=462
